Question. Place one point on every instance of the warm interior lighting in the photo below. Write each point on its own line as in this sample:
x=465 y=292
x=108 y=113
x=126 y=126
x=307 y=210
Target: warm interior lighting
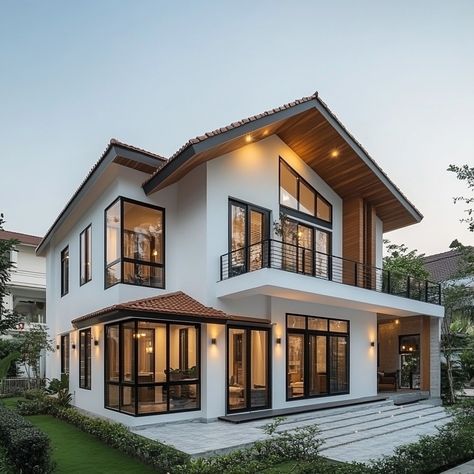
x=397 y=321
x=334 y=154
x=403 y=348
x=248 y=138
x=155 y=253
x=138 y=335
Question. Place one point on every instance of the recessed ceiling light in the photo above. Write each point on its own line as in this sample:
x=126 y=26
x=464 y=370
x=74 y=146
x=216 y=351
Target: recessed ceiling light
x=334 y=154
x=248 y=138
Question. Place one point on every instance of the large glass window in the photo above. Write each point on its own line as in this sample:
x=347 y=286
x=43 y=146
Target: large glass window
x=152 y=367
x=134 y=244
x=31 y=309
x=297 y=194
x=85 y=358
x=65 y=271
x=317 y=356
x=85 y=248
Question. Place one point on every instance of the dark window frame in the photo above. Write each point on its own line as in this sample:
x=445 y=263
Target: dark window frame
x=85 y=358
x=64 y=271
x=135 y=385
x=297 y=212
x=306 y=334
x=65 y=349
x=84 y=259
x=121 y=260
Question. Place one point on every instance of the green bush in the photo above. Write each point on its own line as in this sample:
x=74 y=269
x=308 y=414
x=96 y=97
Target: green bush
x=161 y=457
x=453 y=445
x=26 y=446
x=301 y=444
x=38 y=406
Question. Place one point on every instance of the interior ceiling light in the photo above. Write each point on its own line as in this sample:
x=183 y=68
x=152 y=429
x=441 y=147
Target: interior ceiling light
x=334 y=154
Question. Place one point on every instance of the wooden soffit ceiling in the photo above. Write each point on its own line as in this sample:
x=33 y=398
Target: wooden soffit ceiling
x=316 y=139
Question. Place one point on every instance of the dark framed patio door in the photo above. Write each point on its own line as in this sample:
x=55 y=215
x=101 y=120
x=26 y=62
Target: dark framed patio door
x=248 y=368
x=248 y=229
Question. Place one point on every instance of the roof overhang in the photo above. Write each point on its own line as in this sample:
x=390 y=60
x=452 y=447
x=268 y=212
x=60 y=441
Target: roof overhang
x=313 y=132
x=116 y=315
x=116 y=152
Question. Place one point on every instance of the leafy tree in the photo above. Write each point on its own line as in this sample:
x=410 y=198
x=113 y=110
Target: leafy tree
x=32 y=343
x=9 y=346
x=399 y=260
x=8 y=319
x=466 y=173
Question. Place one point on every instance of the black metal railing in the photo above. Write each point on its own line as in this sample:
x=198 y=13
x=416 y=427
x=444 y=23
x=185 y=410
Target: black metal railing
x=292 y=258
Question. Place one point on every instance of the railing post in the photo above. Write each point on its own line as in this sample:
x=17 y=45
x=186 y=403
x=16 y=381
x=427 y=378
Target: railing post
x=222 y=270
x=389 y=283
x=439 y=293
x=426 y=291
x=355 y=273
x=269 y=253
x=408 y=286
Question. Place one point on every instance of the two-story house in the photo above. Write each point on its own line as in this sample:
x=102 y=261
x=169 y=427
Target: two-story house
x=242 y=273
x=27 y=286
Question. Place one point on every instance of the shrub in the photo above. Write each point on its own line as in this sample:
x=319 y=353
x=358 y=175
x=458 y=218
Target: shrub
x=163 y=458
x=26 y=446
x=301 y=444
x=38 y=406
x=34 y=393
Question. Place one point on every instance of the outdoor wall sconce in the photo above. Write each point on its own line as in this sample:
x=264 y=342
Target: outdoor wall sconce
x=278 y=340
x=73 y=346
x=96 y=342
x=57 y=347
x=372 y=343
x=214 y=341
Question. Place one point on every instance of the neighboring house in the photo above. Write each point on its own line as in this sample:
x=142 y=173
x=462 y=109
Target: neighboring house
x=27 y=285
x=174 y=291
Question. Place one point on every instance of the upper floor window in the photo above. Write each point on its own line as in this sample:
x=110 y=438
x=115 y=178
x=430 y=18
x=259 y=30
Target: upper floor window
x=65 y=271
x=85 y=248
x=134 y=244
x=297 y=194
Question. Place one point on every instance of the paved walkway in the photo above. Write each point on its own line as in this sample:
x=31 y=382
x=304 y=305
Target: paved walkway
x=350 y=434
x=467 y=468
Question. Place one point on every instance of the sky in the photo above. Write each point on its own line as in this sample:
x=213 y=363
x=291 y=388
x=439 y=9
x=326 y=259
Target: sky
x=399 y=75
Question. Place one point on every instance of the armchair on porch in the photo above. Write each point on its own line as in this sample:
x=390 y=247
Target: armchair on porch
x=387 y=381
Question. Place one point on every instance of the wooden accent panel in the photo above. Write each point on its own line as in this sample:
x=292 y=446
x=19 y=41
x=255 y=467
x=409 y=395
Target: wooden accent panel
x=146 y=168
x=425 y=353
x=369 y=246
x=314 y=139
x=352 y=238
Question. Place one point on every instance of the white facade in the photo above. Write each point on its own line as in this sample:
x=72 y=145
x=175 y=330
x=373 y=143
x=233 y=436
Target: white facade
x=27 y=286
x=196 y=235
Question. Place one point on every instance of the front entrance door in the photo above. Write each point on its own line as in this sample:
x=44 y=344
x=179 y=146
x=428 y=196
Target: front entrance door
x=247 y=369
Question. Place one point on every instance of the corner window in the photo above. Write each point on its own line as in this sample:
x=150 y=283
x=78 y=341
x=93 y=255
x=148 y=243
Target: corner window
x=134 y=244
x=85 y=359
x=152 y=367
x=65 y=354
x=85 y=250
x=65 y=271
x=317 y=355
x=297 y=194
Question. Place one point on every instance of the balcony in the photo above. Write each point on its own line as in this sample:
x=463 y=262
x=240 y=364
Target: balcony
x=294 y=259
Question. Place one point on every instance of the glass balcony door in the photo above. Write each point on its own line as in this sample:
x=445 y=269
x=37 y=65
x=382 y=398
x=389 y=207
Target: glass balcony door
x=247 y=369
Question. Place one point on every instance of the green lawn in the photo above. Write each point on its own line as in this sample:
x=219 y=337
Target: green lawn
x=77 y=452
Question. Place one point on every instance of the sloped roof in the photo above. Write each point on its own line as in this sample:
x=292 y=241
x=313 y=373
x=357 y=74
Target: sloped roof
x=443 y=266
x=114 y=145
x=27 y=239
x=174 y=304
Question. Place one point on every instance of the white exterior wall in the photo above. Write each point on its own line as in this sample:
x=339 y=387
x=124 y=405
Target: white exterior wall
x=196 y=235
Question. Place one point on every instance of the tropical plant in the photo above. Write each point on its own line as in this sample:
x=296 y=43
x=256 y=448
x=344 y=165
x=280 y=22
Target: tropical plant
x=6 y=362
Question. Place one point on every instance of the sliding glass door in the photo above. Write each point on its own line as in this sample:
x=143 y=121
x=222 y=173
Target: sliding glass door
x=247 y=369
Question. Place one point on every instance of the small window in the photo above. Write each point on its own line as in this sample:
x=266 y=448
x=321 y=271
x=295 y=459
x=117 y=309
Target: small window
x=65 y=271
x=324 y=209
x=307 y=200
x=288 y=187
x=65 y=354
x=296 y=322
x=337 y=326
x=85 y=359
x=409 y=344
x=318 y=324
x=85 y=248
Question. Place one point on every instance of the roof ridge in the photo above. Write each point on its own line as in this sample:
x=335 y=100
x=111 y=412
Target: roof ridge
x=115 y=141
x=233 y=125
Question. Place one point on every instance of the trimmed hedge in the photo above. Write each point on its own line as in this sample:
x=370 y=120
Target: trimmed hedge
x=27 y=447
x=161 y=457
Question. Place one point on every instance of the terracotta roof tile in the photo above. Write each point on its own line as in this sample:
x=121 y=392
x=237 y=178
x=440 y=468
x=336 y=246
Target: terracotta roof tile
x=23 y=238
x=177 y=303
